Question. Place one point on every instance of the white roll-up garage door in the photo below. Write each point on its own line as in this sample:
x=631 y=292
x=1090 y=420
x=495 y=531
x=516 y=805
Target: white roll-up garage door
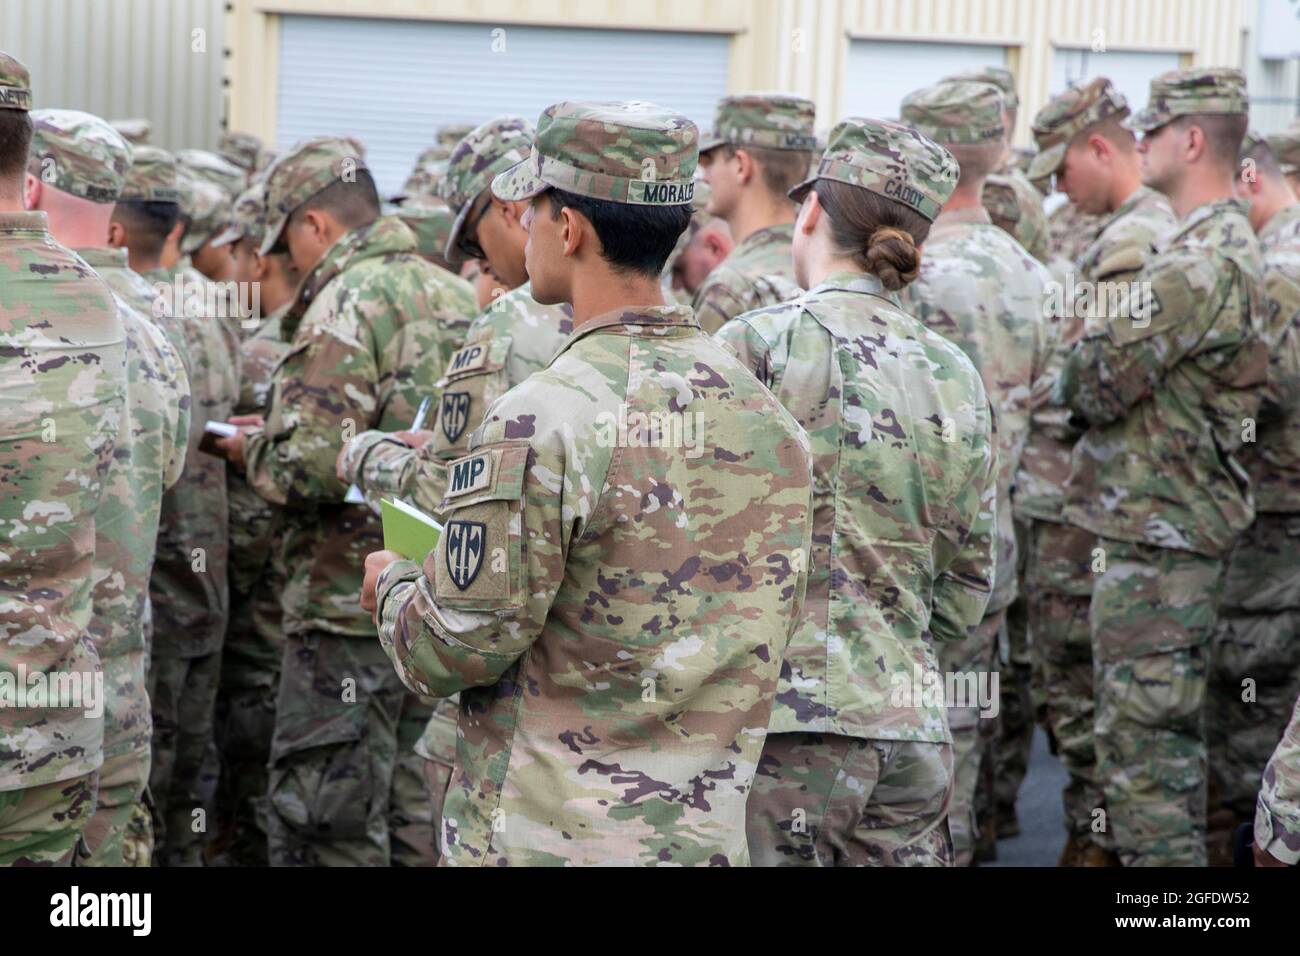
x=1131 y=71
x=880 y=73
x=391 y=83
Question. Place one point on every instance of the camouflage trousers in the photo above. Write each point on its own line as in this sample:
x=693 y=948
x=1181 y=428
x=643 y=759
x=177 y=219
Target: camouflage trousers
x=346 y=786
x=43 y=825
x=1255 y=671
x=437 y=778
x=1059 y=582
x=245 y=723
x=972 y=736
x=121 y=832
x=1152 y=616
x=1014 y=724
x=831 y=800
x=183 y=781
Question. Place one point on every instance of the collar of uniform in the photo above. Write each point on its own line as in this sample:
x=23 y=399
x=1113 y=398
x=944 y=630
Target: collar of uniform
x=384 y=236
x=1127 y=206
x=103 y=257
x=638 y=320
x=1285 y=221
x=968 y=215
x=781 y=232
x=24 y=222
x=1200 y=214
x=861 y=282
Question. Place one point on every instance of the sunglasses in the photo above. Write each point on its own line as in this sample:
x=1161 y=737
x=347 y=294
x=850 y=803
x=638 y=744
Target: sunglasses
x=468 y=244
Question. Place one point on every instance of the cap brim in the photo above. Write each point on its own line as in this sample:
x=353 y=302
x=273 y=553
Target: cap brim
x=520 y=181
x=800 y=192
x=451 y=253
x=273 y=230
x=711 y=142
x=1047 y=161
x=229 y=237
x=1144 y=121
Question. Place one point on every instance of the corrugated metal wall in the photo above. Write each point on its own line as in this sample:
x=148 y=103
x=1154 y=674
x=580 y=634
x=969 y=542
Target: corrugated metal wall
x=125 y=58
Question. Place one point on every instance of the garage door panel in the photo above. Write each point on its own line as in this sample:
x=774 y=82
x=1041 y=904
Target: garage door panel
x=881 y=72
x=391 y=83
x=1131 y=71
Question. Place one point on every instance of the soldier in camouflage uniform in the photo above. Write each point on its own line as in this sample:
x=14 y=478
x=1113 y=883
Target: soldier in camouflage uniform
x=1082 y=140
x=187 y=588
x=1073 y=231
x=62 y=396
x=1277 y=812
x=857 y=768
x=250 y=658
x=1012 y=200
x=242 y=149
x=134 y=131
x=761 y=146
x=215 y=169
x=509 y=341
x=1168 y=387
x=1255 y=671
x=76 y=171
x=641 y=585
x=1286 y=147
x=369 y=330
x=980 y=289
x=205 y=209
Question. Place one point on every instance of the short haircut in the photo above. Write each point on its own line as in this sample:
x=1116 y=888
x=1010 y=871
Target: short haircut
x=147 y=223
x=782 y=169
x=977 y=160
x=1224 y=133
x=633 y=238
x=353 y=204
x=1112 y=130
x=1265 y=160
x=15 y=142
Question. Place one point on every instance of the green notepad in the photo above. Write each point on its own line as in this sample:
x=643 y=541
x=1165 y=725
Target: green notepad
x=408 y=531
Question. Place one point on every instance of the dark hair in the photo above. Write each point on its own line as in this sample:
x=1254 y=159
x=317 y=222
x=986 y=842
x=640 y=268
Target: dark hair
x=1224 y=133
x=147 y=223
x=632 y=238
x=976 y=161
x=782 y=169
x=353 y=204
x=15 y=142
x=881 y=234
x=1265 y=160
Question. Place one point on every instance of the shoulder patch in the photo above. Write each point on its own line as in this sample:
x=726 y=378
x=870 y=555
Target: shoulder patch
x=469 y=474
x=470 y=357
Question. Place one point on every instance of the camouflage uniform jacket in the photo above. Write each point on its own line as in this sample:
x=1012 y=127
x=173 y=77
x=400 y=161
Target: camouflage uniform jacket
x=1273 y=458
x=133 y=289
x=188 y=586
x=903 y=519
x=612 y=601
x=371 y=327
x=62 y=394
x=1072 y=231
x=509 y=340
x=1125 y=243
x=253 y=520
x=1167 y=395
x=979 y=289
x=758 y=273
x=1027 y=221
x=1277 y=811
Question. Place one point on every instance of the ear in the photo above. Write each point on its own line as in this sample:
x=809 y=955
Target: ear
x=261 y=266
x=1100 y=148
x=746 y=168
x=810 y=213
x=116 y=235
x=573 y=231
x=713 y=244
x=315 y=220
x=1194 y=145
x=32 y=187
x=511 y=211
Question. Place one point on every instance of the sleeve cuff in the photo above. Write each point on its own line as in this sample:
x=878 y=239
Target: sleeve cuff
x=1267 y=830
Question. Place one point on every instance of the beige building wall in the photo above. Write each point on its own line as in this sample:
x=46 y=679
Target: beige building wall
x=798 y=45
x=156 y=59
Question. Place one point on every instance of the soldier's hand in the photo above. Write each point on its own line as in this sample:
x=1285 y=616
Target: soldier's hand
x=416 y=439
x=257 y=421
x=232 y=448
x=1263 y=857
x=376 y=563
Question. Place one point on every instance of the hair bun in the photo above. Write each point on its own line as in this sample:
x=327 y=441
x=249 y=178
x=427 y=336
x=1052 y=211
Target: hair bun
x=892 y=257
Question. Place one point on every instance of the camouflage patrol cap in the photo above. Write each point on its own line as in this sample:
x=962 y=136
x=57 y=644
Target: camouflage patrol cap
x=153 y=177
x=134 y=131
x=301 y=173
x=888 y=159
x=213 y=168
x=764 y=120
x=247 y=217
x=452 y=133
x=1069 y=114
x=242 y=149
x=15 y=84
x=207 y=208
x=957 y=112
x=1215 y=89
x=431 y=223
x=635 y=153
x=999 y=76
x=79 y=154
x=1286 y=147
x=480 y=155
